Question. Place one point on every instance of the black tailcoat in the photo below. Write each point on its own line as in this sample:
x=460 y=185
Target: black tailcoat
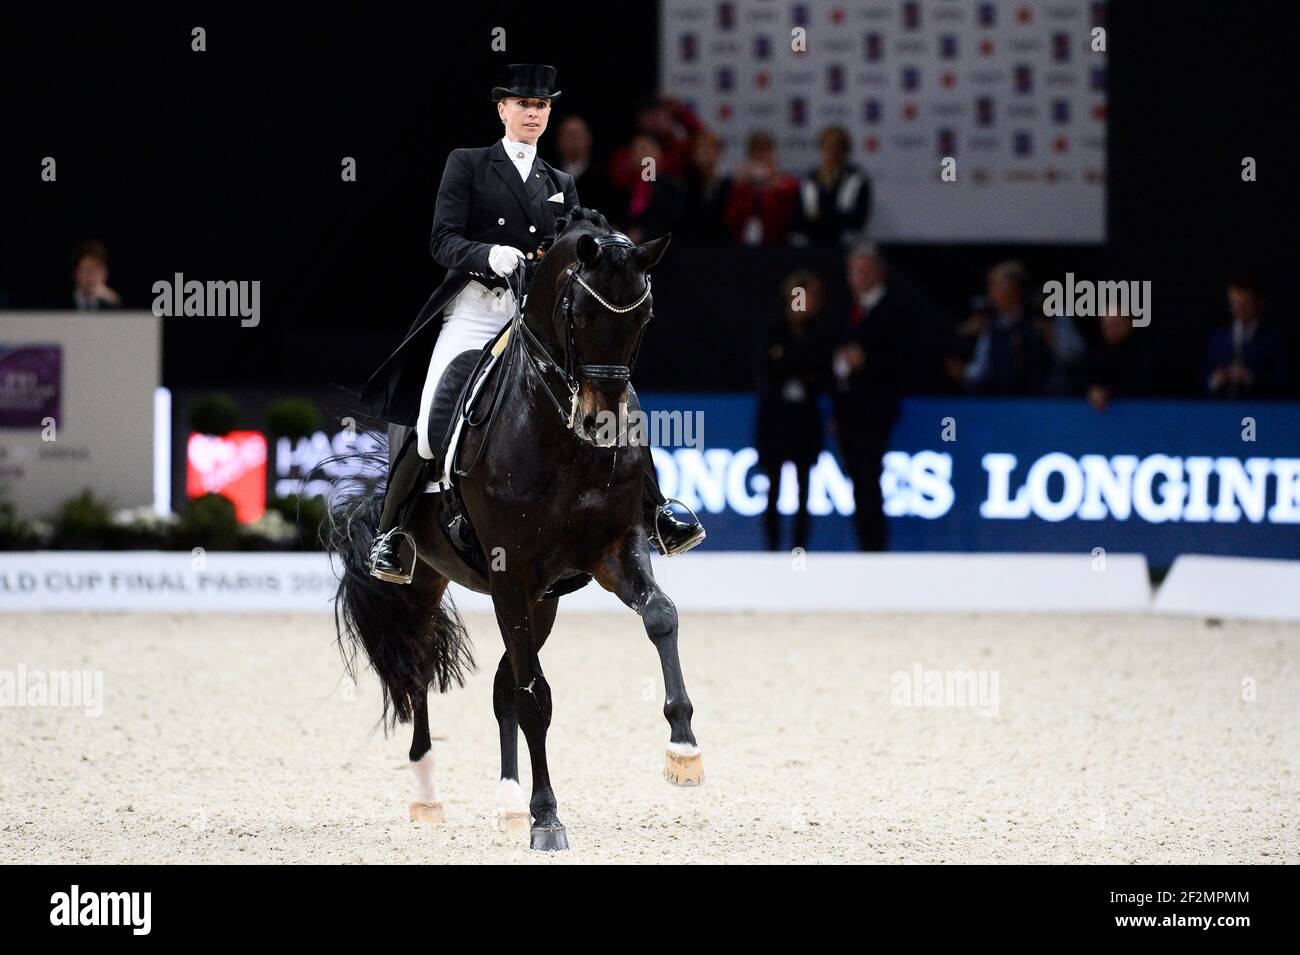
x=482 y=202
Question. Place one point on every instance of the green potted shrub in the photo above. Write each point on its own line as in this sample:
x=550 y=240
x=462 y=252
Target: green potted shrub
x=208 y=521
x=292 y=418
x=15 y=533
x=84 y=522
x=214 y=414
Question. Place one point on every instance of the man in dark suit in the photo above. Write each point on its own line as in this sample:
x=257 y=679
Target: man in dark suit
x=496 y=204
x=90 y=291
x=1248 y=358
x=868 y=367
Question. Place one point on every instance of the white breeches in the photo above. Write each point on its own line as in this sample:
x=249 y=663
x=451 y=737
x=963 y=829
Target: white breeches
x=470 y=320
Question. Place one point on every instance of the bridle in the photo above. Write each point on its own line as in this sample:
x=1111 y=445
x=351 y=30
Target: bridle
x=562 y=318
x=574 y=371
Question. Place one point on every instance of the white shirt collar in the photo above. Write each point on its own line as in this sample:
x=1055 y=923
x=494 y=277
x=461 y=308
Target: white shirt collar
x=871 y=298
x=513 y=149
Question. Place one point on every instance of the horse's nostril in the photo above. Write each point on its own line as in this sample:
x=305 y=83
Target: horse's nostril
x=589 y=422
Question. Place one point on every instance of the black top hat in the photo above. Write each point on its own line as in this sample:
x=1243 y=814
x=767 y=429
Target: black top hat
x=526 y=79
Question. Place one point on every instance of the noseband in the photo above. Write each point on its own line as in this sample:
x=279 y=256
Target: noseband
x=562 y=318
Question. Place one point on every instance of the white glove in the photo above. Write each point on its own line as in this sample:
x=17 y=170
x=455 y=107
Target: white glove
x=504 y=259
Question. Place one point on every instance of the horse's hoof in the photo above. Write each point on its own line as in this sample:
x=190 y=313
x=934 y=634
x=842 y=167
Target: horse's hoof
x=684 y=769
x=427 y=812
x=514 y=823
x=549 y=838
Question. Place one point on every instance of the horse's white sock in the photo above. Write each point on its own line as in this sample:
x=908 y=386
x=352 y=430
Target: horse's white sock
x=426 y=789
x=510 y=796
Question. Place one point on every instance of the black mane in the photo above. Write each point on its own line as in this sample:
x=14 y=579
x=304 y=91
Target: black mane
x=580 y=214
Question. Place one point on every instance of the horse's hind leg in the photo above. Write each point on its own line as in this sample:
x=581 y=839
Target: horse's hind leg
x=426 y=804
x=628 y=575
x=513 y=816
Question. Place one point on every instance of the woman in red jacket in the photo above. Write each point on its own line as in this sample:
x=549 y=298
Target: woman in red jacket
x=762 y=197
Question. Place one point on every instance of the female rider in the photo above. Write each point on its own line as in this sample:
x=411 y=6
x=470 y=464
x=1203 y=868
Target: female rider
x=495 y=205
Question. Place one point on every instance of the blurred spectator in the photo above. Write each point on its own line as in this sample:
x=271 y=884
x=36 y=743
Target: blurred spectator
x=649 y=207
x=835 y=198
x=90 y=291
x=1119 y=365
x=762 y=197
x=574 y=143
x=707 y=190
x=1067 y=353
x=868 y=370
x=793 y=374
x=1248 y=358
x=1010 y=356
x=673 y=126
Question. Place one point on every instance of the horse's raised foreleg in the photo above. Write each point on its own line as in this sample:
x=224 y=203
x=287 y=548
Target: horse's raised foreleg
x=513 y=816
x=628 y=575
x=515 y=611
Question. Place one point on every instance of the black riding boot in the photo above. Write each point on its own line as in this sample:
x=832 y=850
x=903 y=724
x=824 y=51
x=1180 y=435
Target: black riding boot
x=406 y=480
x=669 y=535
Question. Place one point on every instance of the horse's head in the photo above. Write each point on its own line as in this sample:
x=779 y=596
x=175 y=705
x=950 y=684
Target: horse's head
x=601 y=307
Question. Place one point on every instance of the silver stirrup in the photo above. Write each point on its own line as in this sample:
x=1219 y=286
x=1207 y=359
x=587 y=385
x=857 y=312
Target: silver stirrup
x=694 y=520
x=400 y=578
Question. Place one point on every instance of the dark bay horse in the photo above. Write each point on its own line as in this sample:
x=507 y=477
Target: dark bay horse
x=548 y=501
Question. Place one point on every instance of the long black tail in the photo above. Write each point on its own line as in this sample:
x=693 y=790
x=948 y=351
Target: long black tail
x=412 y=640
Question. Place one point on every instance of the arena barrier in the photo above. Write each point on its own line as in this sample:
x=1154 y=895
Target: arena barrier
x=1243 y=587
x=789 y=583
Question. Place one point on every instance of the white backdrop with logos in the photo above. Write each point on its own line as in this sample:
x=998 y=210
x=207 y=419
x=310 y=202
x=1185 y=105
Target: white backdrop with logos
x=1012 y=90
x=94 y=376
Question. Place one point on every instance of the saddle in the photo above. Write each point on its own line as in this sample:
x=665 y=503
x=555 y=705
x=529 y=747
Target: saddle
x=453 y=403
x=448 y=405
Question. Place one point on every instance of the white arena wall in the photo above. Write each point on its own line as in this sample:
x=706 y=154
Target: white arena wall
x=165 y=581
x=162 y=581
x=1243 y=587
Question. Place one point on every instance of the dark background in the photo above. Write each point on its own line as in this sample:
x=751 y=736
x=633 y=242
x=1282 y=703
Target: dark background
x=225 y=165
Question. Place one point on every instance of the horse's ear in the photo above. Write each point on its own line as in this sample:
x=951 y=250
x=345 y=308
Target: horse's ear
x=647 y=256
x=587 y=249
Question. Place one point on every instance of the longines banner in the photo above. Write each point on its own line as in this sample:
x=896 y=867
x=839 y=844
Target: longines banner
x=1013 y=91
x=1159 y=478
x=77 y=406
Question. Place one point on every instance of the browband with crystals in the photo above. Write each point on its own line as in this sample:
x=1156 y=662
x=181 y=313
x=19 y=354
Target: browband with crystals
x=613 y=308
